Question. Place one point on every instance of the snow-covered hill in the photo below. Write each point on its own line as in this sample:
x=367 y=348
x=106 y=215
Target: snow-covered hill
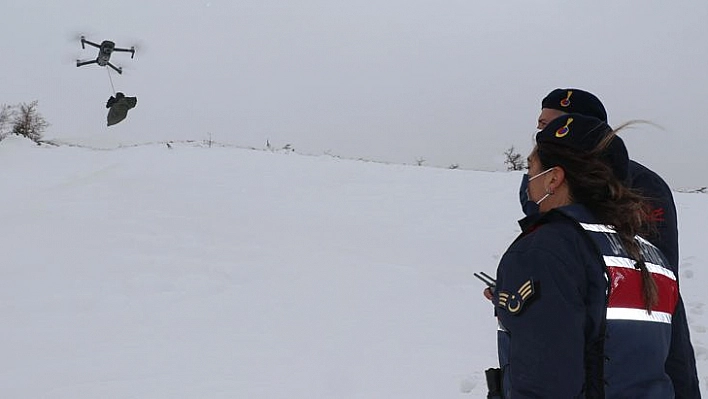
x=194 y=272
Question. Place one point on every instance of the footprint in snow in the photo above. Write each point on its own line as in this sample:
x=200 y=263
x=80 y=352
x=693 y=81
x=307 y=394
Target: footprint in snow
x=701 y=353
x=467 y=385
x=696 y=308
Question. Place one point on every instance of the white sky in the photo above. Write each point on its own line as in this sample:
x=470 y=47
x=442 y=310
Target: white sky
x=451 y=81
x=192 y=272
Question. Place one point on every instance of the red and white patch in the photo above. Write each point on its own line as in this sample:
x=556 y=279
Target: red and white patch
x=626 y=301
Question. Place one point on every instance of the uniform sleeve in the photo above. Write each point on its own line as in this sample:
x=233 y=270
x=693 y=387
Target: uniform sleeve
x=546 y=329
x=681 y=363
x=663 y=211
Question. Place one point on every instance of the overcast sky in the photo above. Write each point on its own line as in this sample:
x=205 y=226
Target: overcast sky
x=448 y=81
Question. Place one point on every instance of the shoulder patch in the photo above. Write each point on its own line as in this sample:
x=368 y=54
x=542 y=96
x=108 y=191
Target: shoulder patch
x=513 y=302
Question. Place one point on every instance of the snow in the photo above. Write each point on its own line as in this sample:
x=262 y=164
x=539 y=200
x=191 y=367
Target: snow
x=221 y=272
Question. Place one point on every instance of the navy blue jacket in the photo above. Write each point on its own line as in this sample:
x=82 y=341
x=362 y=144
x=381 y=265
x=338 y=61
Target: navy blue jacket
x=653 y=187
x=564 y=337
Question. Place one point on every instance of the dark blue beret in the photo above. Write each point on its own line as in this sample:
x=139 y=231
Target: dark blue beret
x=575 y=101
x=584 y=133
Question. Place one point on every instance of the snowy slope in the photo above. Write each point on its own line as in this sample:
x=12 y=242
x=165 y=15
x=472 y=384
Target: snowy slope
x=197 y=272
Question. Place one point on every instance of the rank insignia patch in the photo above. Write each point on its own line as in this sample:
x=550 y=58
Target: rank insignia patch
x=514 y=301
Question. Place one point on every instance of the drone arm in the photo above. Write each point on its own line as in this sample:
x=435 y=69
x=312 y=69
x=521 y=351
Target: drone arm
x=82 y=63
x=84 y=41
x=119 y=70
x=126 y=50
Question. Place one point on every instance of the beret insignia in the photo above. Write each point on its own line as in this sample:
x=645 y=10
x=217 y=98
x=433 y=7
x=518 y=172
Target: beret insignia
x=564 y=130
x=565 y=103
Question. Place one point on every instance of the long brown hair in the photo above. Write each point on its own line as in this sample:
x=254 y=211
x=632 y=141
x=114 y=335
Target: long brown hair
x=593 y=184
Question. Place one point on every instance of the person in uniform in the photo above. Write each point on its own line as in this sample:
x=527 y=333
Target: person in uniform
x=663 y=212
x=586 y=306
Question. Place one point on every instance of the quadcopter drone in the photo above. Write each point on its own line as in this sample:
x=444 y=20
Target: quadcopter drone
x=105 y=49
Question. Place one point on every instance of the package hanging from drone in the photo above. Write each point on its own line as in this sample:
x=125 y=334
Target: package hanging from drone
x=119 y=109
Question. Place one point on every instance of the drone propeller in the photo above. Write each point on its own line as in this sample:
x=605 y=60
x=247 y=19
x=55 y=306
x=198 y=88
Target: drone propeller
x=72 y=57
x=76 y=36
x=138 y=46
x=125 y=67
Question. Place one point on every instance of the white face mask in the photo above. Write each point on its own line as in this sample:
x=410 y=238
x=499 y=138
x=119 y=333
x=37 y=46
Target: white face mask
x=533 y=177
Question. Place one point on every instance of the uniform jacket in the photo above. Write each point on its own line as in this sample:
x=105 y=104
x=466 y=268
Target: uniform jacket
x=567 y=333
x=652 y=186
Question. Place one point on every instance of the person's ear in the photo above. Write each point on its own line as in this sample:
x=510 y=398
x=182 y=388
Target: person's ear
x=556 y=178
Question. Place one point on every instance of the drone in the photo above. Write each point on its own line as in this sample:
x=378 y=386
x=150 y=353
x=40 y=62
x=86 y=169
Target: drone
x=105 y=49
